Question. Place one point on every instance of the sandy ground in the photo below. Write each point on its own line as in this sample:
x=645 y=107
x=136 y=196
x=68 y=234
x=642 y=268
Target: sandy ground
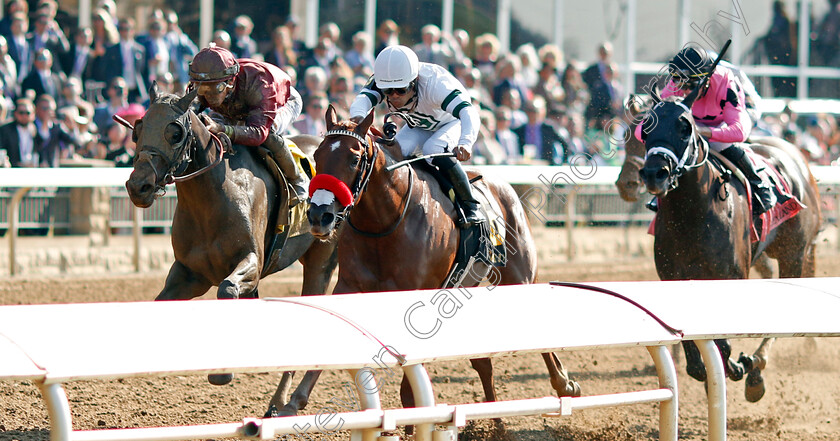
x=801 y=403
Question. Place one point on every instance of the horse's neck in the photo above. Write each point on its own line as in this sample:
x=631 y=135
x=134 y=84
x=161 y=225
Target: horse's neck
x=384 y=197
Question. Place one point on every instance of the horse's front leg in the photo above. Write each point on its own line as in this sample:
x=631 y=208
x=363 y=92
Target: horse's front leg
x=243 y=281
x=183 y=284
x=281 y=395
x=559 y=377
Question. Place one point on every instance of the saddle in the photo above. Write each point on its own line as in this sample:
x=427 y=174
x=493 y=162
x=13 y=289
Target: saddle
x=787 y=205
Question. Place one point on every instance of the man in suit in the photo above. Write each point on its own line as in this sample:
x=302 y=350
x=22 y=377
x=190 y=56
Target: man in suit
x=241 y=44
x=42 y=80
x=18 y=136
x=551 y=147
x=77 y=60
x=127 y=59
x=20 y=48
x=47 y=35
x=117 y=101
x=52 y=140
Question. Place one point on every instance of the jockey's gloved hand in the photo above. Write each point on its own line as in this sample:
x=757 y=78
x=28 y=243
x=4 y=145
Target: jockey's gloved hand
x=389 y=130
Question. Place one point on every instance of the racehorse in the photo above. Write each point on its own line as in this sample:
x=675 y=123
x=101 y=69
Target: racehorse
x=404 y=209
x=703 y=225
x=228 y=202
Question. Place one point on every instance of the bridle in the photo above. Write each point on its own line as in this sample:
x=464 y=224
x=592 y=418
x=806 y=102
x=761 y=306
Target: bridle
x=182 y=156
x=360 y=183
x=690 y=155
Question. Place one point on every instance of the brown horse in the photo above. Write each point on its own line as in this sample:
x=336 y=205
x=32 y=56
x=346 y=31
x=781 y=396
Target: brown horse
x=227 y=208
x=702 y=228
x=404 y=209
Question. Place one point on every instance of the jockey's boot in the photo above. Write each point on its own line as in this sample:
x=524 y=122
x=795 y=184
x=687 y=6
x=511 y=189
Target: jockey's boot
x=763 y=197
x=452 y=169
x=300 y=183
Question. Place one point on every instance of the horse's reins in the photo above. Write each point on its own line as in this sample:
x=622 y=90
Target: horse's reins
x=362 y=180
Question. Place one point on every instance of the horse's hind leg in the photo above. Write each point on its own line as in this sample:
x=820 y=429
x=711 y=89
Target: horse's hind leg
x=559 y=377
x=484 y=367
x=694 y=365
x=300 y=397
x=755 y=364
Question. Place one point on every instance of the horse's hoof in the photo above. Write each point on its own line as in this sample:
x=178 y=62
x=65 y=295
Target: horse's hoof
x=273 y=412
x=755 y=386
x=220 y=379
x=573 y=389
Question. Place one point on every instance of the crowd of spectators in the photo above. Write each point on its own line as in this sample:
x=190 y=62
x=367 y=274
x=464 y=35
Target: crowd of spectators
x=536 y=106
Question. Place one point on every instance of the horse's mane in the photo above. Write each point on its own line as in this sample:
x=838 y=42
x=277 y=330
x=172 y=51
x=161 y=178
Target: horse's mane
x=391 y=152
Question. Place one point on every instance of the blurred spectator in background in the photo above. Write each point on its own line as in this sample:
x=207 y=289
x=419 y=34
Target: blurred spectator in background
x=513 y=101
x=548 y=86
x=241 y=43
x=312 y=121
x=314 y=82
x=105 y=35
x=486 y=149
x=110 y=7
x=166 y=84
x=127 y=59
x=157 y=49
x=11 y=8
x=551 y=55
x=574 y=89
x=358 y=57
x=222 y=39
x=52 y=139
x=115 y=144
x=42 y=80
x=47 y=35
x=8 y=71
x=281 y=53
x=297 y=44
x=529 y=65
x=77 y=61
x=576 y=127
x=20 y=48
x=387 y=34
x=318 y=57
x=600 y=90
x=508 y=141
x=181 y=50
x=18 y=136
x=341 y=94
x=507 y=77
x=462 y=48
x=332 y=32
x=539 y=140
x=71 y=95
x=486 y=54
x=78 y=127
x=778 y=45
x=430 y=49
x=117 y=94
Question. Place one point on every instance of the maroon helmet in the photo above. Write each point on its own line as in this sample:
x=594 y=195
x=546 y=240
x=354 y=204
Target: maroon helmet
x=213 y=64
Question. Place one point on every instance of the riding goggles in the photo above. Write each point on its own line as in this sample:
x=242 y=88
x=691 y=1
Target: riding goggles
x=397 y=91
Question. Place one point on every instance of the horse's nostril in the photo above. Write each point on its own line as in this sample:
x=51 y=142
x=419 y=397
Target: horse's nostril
x=661 y=174
x=327 y=219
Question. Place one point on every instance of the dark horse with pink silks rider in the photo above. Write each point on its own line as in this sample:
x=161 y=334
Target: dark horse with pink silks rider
x=705 y=228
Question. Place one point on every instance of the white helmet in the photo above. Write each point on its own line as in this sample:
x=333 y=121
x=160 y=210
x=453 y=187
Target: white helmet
x=395 y=67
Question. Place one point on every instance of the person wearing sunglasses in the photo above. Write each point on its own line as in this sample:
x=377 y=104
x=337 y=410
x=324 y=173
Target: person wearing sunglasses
x=720 y=112
x=437 y=111
x=17 y=137
x=253 y=103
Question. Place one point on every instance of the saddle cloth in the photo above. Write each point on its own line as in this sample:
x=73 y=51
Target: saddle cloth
x=295 y=217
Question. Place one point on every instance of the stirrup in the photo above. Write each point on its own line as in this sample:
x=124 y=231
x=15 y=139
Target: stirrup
x=298 y=193
x=472 y=216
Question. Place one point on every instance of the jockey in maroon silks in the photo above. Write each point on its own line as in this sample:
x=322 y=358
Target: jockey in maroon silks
x=252 y=103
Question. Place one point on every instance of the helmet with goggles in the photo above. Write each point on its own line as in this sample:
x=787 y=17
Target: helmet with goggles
x=690 y=65
x=395 y=67
x=213 y=64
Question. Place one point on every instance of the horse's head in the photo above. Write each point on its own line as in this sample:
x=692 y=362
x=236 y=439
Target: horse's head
x=629 y=185
x=163 y=136
x=344 y=163
x=671 y=143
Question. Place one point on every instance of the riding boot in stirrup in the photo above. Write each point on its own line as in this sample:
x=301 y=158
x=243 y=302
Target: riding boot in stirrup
x=763 y=199
x=461 y=184
x=277 y=145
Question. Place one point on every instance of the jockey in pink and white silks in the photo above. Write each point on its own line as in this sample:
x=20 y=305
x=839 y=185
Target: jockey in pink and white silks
x=720 y=113
x=437 y=110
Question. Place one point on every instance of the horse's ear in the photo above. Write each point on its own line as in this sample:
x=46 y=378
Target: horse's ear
x=654 y=94
x=330 y=117
x=154 y=91
x=364 y=126
x=184 y=103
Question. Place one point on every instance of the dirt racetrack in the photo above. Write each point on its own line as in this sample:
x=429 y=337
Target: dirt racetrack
x=803 y=377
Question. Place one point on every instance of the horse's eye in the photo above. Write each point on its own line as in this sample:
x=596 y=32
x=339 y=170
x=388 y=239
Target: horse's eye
x=354 y=162
x=173 y=133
